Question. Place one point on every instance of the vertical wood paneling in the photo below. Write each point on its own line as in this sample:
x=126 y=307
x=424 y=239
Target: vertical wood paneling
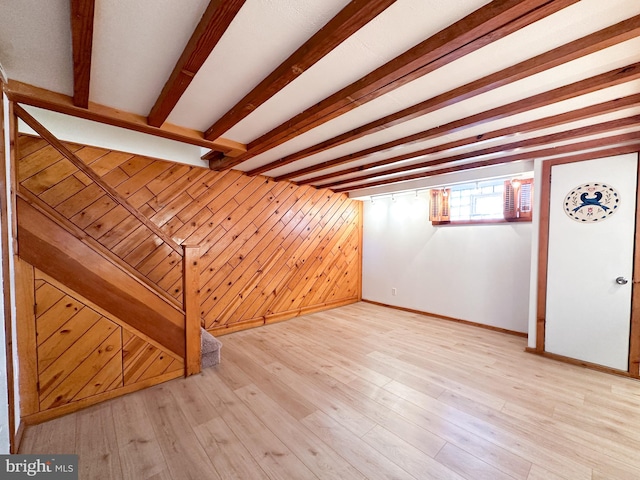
x=267 y=248
x=26 y=330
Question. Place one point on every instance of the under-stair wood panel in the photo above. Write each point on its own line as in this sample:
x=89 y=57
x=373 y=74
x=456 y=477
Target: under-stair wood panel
x=143 y=360
x=269 y=250
x=61 y=255
x=84 y=352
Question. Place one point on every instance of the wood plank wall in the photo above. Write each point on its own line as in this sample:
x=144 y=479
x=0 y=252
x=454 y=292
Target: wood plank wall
x=269 y=250
x=49 y=247
x=83 y=354
x=44 y=173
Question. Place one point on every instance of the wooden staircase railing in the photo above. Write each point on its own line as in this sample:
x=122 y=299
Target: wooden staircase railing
x=191 y=291
x=182 y=335
x=80 y=165
x=52 y=214
x=50 y=248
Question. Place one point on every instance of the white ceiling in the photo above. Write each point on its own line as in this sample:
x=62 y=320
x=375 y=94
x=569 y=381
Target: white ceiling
x=136 y=45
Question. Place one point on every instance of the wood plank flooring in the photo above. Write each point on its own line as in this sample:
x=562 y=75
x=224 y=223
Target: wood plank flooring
x=363 y=392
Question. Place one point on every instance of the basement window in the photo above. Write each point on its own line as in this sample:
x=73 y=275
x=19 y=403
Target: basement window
x=492 y=201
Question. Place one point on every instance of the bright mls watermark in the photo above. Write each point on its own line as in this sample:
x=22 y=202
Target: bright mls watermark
x=52 y=467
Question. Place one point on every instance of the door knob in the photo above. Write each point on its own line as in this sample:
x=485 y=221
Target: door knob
x=621 y=281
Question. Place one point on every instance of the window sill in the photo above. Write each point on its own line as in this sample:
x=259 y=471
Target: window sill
x=492 y=221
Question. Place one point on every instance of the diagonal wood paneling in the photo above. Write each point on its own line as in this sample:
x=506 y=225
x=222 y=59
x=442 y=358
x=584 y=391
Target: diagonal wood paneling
x=43 y=173
x=82 y=352
x=90 y=272
x=268 y=249
x=73 y=349
x=141 y=360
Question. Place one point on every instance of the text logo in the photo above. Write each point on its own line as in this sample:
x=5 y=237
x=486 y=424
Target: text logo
x=51 y=467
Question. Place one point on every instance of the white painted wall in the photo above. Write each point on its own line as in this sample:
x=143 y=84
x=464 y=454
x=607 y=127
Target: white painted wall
x=7 y=283
x=533 y=279
x=4 y=400
x=478 y=273
x=87 y=132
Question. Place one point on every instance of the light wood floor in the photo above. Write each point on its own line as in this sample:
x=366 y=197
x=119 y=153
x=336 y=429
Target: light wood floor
x=363 y=392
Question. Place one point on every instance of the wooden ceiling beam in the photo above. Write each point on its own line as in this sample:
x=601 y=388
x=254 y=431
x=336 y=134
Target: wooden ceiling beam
x=489 y=23
x=347 y=22
x=587 y=45
x=82 y=41
x=39 y=97
x=582 y=87
x=214 y=22
x=212 y=155
x=599 y=143
x=596 y=129
x=539 y=124
x=607 y=152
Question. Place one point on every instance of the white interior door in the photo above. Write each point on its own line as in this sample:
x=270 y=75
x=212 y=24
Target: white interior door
x=588 y=313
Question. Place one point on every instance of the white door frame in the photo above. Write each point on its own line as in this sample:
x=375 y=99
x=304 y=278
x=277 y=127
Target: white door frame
x=543 y=249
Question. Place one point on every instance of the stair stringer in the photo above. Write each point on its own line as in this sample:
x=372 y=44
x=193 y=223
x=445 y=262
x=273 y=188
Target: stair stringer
x=56 y=252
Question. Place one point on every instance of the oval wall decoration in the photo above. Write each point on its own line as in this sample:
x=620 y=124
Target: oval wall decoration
x=592 y=202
